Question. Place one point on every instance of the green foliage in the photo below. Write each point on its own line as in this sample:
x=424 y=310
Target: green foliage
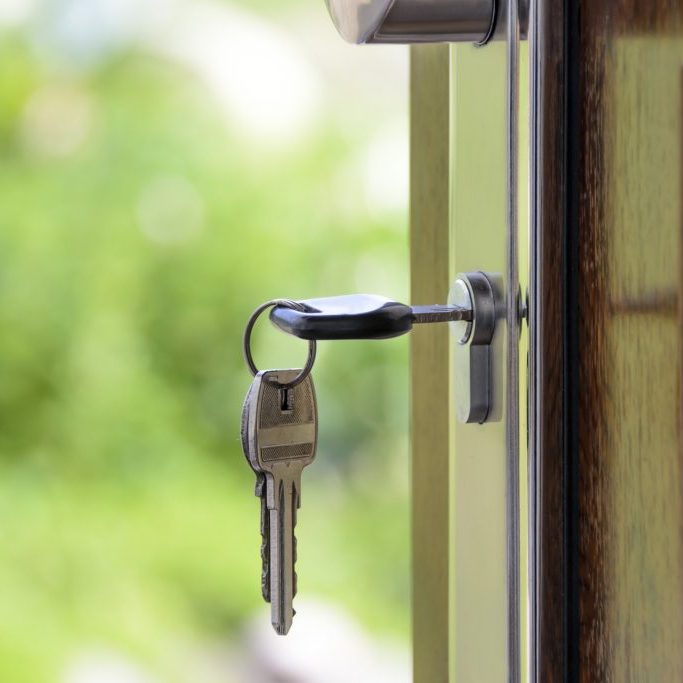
x=128 y=515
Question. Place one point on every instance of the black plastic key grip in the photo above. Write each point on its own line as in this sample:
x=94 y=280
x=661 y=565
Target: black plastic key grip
x=356 y=316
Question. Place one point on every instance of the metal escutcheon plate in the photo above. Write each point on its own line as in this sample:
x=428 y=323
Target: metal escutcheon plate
x=471 y=343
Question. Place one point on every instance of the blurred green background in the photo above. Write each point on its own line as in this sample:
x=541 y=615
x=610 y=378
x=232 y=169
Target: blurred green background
x=165 y=167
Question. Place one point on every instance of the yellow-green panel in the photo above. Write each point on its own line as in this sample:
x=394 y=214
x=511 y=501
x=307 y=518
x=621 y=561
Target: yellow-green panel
x=430 y=418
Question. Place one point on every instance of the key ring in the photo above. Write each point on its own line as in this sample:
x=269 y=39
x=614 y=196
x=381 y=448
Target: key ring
x=246 y=341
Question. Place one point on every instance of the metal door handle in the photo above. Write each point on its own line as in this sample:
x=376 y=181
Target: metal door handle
x=414 y=21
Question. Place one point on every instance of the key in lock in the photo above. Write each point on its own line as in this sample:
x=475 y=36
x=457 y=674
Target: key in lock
x=474 y=307
x=279 y=418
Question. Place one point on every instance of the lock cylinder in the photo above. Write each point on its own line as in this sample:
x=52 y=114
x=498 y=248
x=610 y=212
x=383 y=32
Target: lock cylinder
x=414 y=21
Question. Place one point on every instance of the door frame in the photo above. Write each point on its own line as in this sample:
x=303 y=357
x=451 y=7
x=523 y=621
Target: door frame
x=429 y=352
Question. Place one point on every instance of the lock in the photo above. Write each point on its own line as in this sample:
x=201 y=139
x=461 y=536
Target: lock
x=471 y=311
x=472 y=355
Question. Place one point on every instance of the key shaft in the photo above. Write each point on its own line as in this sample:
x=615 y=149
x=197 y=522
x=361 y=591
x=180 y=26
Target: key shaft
x=440 y=314
x=283 y=501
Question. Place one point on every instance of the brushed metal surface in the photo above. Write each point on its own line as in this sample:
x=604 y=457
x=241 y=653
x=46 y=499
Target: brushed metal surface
x=412 y=21
x=512 y=313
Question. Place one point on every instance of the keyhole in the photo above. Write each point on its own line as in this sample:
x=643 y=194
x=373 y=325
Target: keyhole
x=286 y=402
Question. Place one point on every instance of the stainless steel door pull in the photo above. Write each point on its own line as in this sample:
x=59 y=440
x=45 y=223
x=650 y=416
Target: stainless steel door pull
x=414 y=21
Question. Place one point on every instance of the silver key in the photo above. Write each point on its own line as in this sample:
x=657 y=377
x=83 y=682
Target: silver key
x=259 y=490
x=282 y=432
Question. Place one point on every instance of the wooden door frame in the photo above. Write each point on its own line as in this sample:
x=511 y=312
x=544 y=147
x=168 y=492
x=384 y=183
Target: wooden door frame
x=429 y=346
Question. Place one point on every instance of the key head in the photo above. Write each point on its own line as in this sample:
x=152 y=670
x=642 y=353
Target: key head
x=281 y=429
x=356 y=316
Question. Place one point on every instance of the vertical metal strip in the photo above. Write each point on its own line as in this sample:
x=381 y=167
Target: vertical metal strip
x=533 y=478
x=512 y=385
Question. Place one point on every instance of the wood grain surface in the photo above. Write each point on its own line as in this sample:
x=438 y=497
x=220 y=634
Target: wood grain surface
x=628 y=445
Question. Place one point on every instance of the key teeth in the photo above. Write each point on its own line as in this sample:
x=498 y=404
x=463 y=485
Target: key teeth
x=265 y=541
x=265 y=567
x=265 y=585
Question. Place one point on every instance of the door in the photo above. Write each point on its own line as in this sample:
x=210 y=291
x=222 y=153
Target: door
x=566 y=564
x=602 y=572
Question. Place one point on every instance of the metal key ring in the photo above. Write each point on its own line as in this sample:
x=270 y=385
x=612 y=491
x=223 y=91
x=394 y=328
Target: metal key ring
x=246 y=341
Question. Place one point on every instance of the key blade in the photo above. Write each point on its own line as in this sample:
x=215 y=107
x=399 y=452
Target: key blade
x=282 y=552
x=441 y=314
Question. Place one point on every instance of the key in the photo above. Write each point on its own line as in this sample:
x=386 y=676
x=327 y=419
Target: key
x=360 y=316
x=259 y=491
x=281 y=436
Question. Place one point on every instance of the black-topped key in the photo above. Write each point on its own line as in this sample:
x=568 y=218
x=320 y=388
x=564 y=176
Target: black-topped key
x=359 y=316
